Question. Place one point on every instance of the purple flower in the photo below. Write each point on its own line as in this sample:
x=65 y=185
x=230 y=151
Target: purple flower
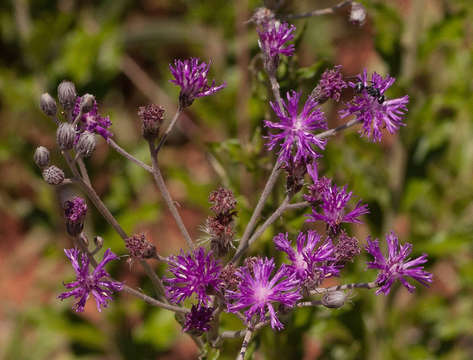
x=198 y=320
x=319 y=186
x=296 y=137
x=334 y=201
x=372 y=109
x=346 y=248
x=194 y=273
x=396 y=266
x=273 y=38
x=258 y=291
x=96 y=283
x=307 y=259
x=75 y=211
x=191 y=76
x=330 y=85
x=92 y=121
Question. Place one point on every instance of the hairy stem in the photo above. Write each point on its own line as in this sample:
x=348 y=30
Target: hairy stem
x=309 y=303
x=128 y=156
x=334 y=131
x=257 y=212
x=169 y=129
x=319 y=12
x=158 y=178
x=369 y=285
x=244 y=345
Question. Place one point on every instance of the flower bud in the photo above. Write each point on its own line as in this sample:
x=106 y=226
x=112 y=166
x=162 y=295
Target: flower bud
x=85 y=146
x=48 y=104
x=66 y=93
x=41 y=157
x=53 y=175
x=87 y=102
x=98 y=241
x=151 y=119
x=65 y=136
x=74 y=212
x=357 y=14
x=334 y=299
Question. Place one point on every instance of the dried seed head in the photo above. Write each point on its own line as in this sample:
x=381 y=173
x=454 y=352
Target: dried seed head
x=53 y=175
x=139 y=247
x=222 y=200
x=334 y=299
x=85 y=146
x=66 y=93
x=41 y=157
x=48 y=104
x=151 y=119
x=357 y=14
x=346 y=248
x=87 y=102
x=65 y=136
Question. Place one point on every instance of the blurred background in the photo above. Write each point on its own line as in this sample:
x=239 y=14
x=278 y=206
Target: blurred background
x=419 y=182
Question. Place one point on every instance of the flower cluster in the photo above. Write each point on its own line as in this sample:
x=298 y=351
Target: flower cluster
x=97 y=283
x=194 y=273
x=91 y=120
x=191 y=76
x=396 y=266
x=371 y=108
x=296 y=138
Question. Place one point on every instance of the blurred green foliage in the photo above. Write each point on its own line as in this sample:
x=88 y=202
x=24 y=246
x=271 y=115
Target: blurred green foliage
x=419 y=183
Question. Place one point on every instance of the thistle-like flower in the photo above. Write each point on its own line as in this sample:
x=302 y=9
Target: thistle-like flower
x=334 y=201
x=194 y=273
x=191 y=76
x=296 y=137
x=396 y=266
x=273 y=38
x=91 y=121
x=96 y=283
x=198 y=320
x=75 y=211
x=309 y=255
x=258 y=291
x=372 y=109
x=330 y=85
x=319 y=186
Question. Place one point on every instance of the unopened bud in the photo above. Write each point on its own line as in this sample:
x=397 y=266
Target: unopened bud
x=98 y=241
x=151 y=119
x=66 y=93
x=357 y=14
x=53 y=175
x=85 y=146
x=48 y=104
x=87 y=102
x=65 y=136
x=334 y=299
x=41 y=157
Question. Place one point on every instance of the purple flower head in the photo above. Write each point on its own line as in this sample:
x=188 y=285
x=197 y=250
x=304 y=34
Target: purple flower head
x=96 y=283
x=258 y=291
x=198 y=320
x=334 y=201
x=372 y=109
x=330 y=85
x=319 y=186
x=309 y=255
x=92 y=121
x=273 y=38
x=396 y=266
x=75 y=211
x=191 y=76
x=296 y=137
x=194 y=273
